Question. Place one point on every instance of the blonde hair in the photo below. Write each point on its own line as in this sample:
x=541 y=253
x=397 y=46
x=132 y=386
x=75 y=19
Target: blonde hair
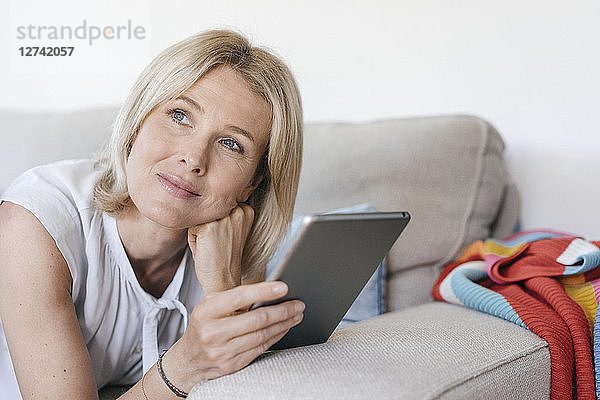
x=171 y=73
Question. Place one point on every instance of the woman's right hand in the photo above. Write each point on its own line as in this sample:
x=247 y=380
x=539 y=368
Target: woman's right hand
x=220 y=339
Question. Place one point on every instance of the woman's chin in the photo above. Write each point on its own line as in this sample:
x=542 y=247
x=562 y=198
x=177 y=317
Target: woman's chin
x=169 y=219
x=169 y=216
x=176 y=220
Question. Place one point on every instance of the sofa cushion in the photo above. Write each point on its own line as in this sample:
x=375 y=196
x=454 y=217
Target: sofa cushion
x=447 y=171
x=434 y=350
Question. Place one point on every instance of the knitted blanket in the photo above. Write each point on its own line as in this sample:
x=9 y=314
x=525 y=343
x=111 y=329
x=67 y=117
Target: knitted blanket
x=547 y=282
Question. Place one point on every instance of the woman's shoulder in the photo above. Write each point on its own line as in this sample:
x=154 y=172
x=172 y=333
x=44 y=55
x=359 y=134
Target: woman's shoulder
x=78 y=175
x=59 y=196
x=63 y=186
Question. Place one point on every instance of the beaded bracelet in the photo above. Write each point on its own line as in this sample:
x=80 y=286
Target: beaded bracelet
x=174 y=389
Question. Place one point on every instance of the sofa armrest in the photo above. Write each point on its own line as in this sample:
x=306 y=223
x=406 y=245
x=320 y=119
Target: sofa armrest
x=435 y=350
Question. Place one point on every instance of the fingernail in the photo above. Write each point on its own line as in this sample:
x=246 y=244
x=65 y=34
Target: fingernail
x=280 y=288
x=297 y=317
x=299 y=307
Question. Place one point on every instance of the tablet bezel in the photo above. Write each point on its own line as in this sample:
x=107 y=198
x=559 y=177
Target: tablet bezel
x=321 y=232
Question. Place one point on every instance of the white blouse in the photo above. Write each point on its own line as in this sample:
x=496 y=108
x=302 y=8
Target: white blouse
x=123 y=326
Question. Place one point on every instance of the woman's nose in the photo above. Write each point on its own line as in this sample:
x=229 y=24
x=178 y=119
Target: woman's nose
x=195 y=159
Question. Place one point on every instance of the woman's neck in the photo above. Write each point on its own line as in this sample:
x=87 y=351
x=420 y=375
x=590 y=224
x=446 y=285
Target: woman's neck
x=154 y=252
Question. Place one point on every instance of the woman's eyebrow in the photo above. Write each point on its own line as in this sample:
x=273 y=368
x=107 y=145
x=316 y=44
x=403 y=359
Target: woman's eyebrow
x=192 y=103
x=241 y=132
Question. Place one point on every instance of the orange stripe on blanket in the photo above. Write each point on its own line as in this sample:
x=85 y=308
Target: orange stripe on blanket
x=474 y=250
x=481 y=249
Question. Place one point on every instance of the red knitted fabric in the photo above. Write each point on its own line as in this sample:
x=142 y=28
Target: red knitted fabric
x=539 y=260
x=547 y=324
x=574 y=317
x=532 y=290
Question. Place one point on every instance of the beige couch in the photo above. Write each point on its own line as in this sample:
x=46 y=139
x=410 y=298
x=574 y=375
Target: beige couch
x=448 y=171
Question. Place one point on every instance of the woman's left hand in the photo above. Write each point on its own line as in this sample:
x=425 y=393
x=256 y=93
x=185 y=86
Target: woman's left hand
x=217 y=249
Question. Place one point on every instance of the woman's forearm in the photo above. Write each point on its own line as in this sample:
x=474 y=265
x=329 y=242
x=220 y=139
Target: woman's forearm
x=150 y=387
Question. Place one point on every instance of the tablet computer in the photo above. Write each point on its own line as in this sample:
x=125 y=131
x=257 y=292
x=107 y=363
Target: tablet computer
x=330 y=260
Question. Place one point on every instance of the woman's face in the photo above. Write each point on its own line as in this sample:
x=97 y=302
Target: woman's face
x=194 y=158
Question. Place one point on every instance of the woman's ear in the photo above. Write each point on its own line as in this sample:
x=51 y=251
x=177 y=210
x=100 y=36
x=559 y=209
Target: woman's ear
x=259 y=175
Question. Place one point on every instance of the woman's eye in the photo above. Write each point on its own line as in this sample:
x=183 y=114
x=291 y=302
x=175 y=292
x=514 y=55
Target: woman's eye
x=232 y=144
x=179 y=117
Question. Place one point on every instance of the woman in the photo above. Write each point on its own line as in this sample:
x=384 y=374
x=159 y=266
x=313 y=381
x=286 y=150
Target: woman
x=162 y=243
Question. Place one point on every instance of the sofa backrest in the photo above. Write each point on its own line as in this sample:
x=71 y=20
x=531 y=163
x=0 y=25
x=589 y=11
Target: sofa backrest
x=447 y=171
x=31 y=139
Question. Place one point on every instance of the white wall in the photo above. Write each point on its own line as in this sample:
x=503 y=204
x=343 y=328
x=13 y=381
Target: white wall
x=529 y=67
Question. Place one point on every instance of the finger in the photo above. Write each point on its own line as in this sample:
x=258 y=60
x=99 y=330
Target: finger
x=224 y=303
x=193 y=230
x=247 y=210
x=237 y=221
x=264 y=336
x=262 y=317
x=248 y=356
x=192 y=233
x=248 y=218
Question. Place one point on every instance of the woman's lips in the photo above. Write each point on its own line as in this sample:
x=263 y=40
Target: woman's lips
x=175 y=186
